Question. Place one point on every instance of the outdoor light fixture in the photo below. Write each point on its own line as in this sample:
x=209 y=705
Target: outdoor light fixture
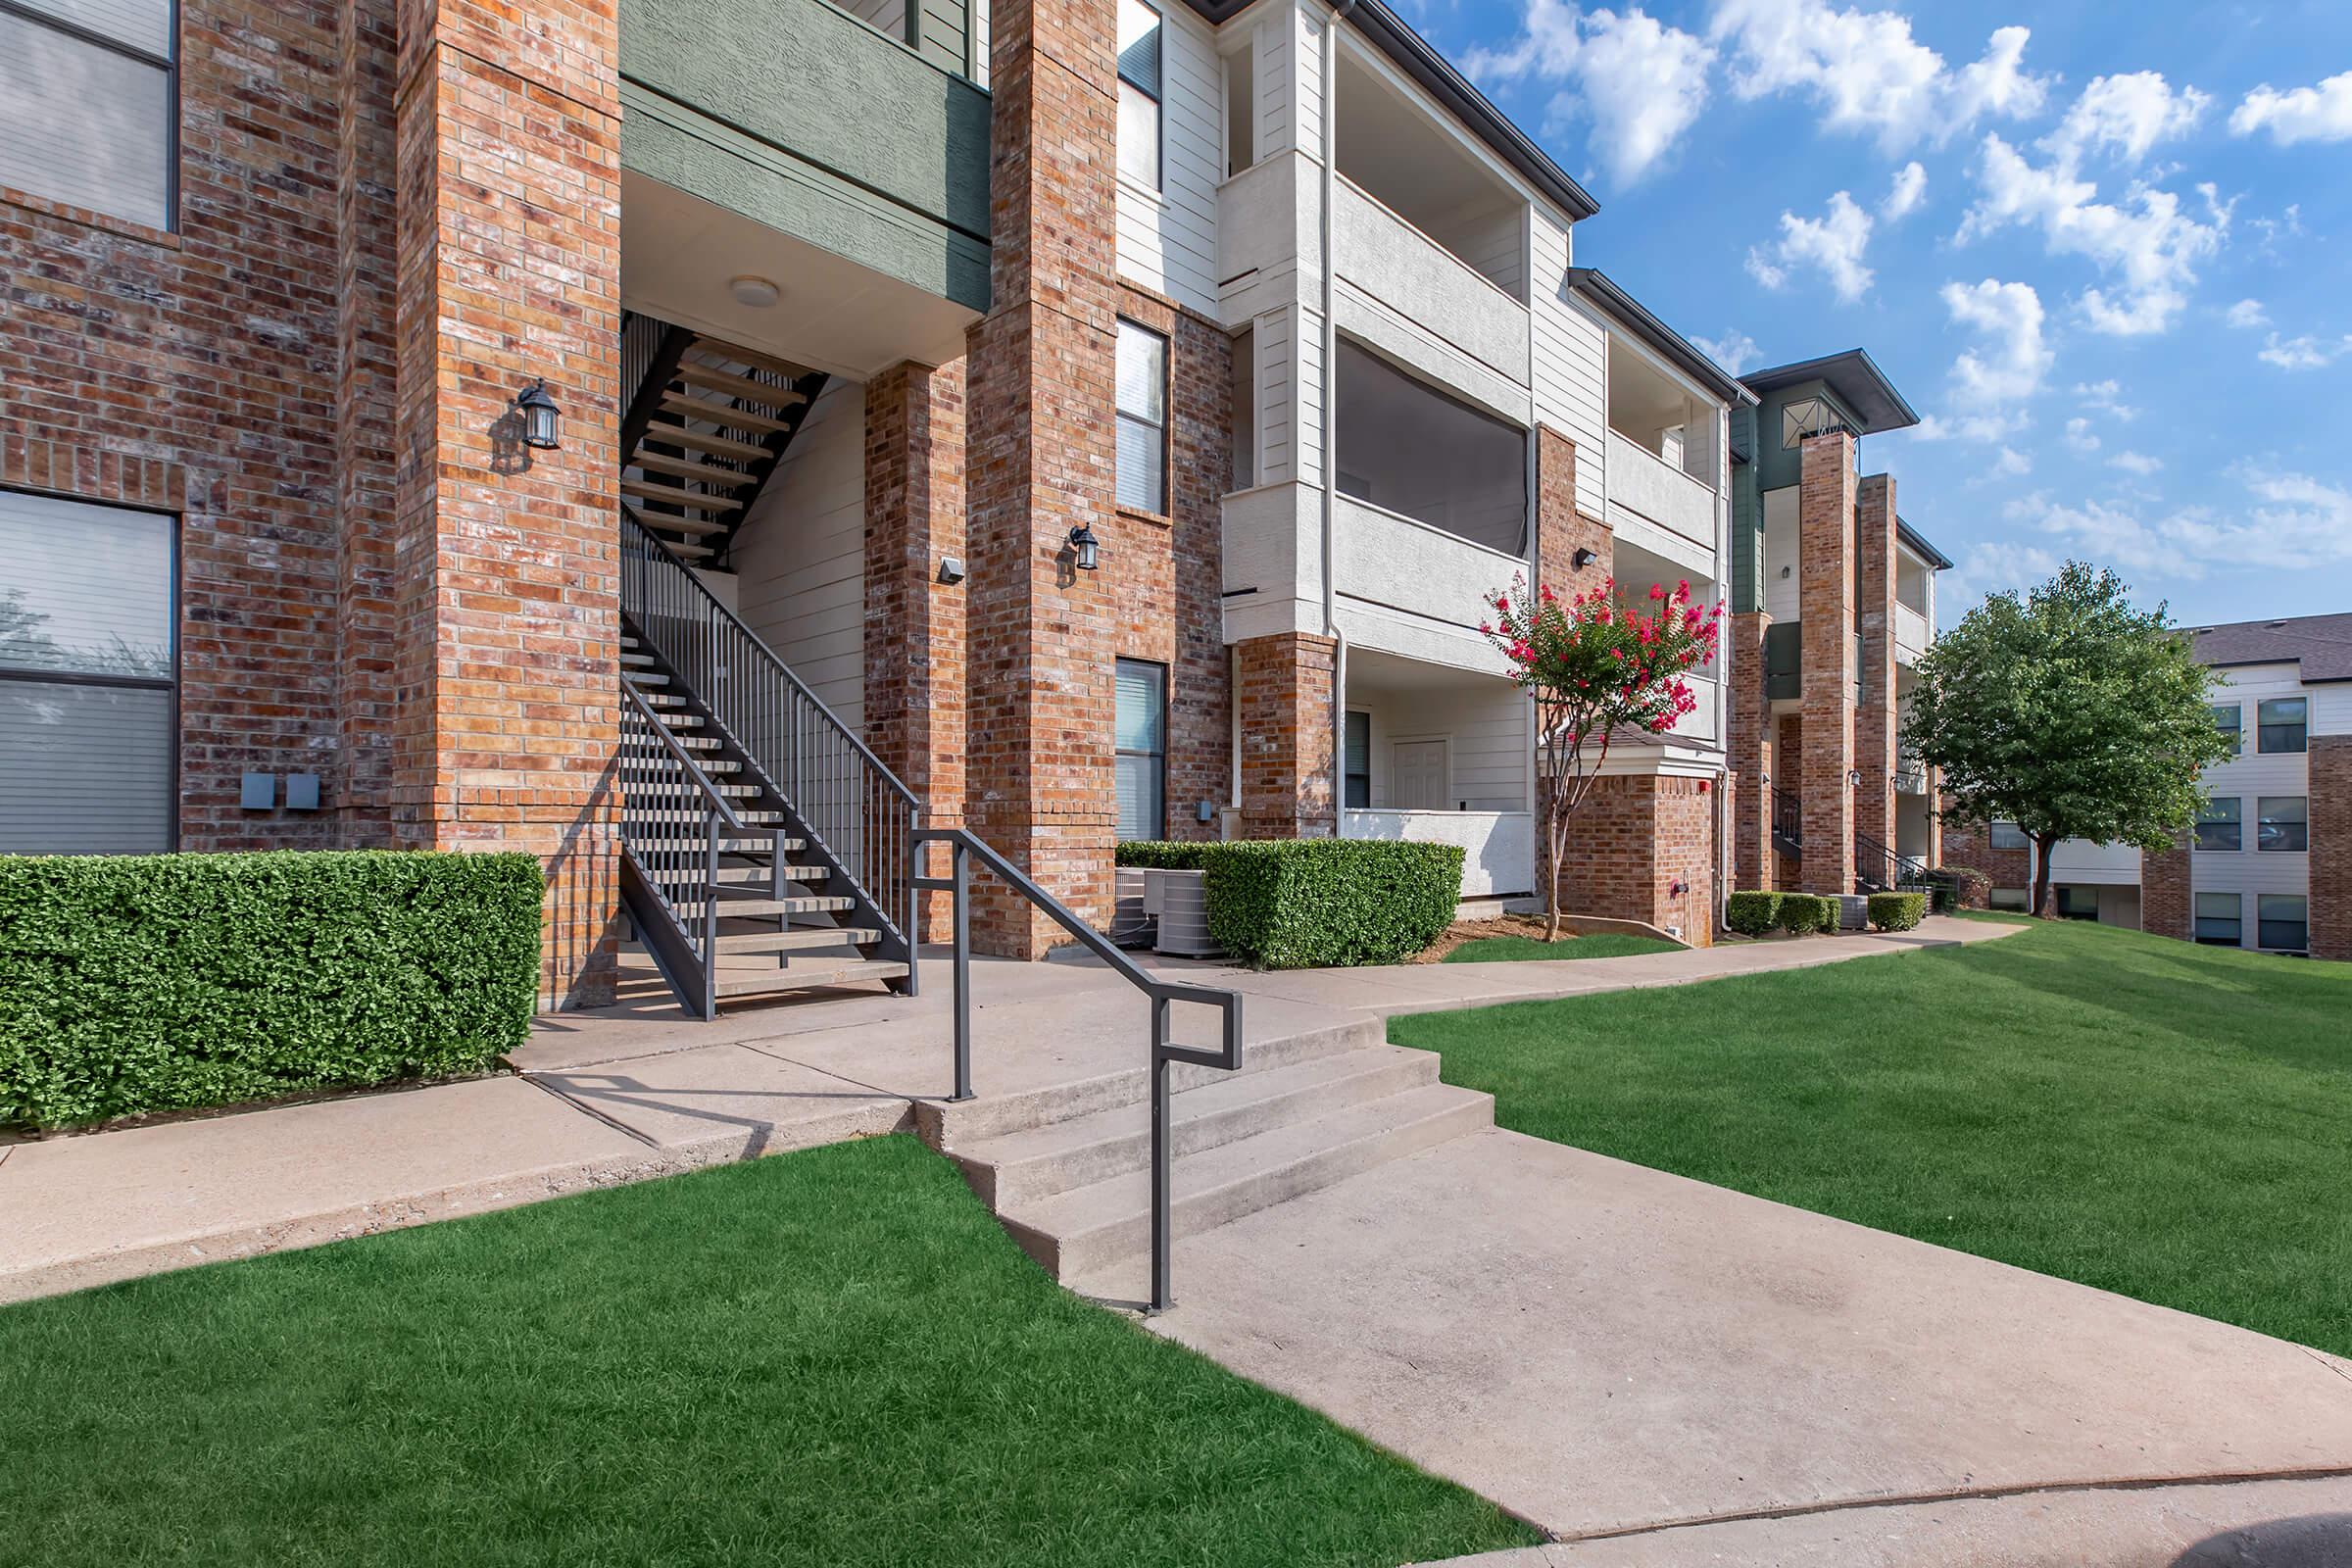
x=1853 y=778
x=1088 y=546
x=539 y=415
x=951 y=568
x=1581 y=559
x=757 y=292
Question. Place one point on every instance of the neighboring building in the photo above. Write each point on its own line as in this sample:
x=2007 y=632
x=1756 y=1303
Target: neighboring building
x=2270 y=866
x=1127 y=496
x=1833 y=604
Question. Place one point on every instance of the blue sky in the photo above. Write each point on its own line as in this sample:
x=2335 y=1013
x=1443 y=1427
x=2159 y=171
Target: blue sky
x=2102 y=250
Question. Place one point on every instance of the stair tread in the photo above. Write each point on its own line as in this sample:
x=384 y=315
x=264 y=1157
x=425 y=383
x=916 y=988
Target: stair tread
x=1226 y=1091
x=816 y=904
x=736 y=352
x=716 y=412
x=1125 y=1197
x=703 y=441
x=739 y=385
x=688 y=468
x=728 y=844
x=676 y=496
x=804 y=939
x=659 y=522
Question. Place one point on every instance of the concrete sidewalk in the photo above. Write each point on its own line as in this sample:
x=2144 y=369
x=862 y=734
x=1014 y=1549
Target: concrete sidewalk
x=628 y=1093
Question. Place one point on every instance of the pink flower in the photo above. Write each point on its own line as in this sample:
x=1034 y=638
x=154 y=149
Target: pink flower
x=1657 y=590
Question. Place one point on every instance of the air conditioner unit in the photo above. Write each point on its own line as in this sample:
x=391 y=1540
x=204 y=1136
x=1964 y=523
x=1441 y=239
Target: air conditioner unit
x=1130 y=923
x=1180 y=902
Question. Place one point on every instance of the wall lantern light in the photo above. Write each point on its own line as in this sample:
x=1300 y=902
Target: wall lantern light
x=1088 y=548
x=1853 y=778
x=1581 y=559
x=539 y=417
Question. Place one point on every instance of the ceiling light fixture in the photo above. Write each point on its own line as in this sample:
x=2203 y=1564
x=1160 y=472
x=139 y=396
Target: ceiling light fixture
x=757 y=292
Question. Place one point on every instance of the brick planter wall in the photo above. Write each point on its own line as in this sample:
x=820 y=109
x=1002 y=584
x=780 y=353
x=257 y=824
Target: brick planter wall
x=1631 y=841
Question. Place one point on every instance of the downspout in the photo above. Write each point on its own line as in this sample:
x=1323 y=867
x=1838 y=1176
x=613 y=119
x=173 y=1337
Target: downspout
x=1331 y=439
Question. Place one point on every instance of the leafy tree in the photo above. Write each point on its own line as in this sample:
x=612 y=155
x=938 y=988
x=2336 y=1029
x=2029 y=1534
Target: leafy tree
x=1597 y=670
x=2070 y=712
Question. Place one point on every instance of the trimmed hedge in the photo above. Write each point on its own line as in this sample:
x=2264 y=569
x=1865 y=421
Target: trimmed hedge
x=1898 y=912
x=1752 y=913
x=1802 y=913
x=1301 y=904
x=137 y=983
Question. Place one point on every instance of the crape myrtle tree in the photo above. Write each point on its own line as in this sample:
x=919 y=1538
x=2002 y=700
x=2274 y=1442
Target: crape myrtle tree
x=2070 y=712
x=1597 y=670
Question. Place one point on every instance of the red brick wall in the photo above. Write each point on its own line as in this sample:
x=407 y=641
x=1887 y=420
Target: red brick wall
x=1044 y=635
x=914 y=638
x=1633 y=842
x=2330 y=790
x=2165 y=903
x=1971 y=846
x=1751 y=751
x=1825 y=510
x=1560 y=529
x=1874 y=720
x=1282 y=685
x=197 y=371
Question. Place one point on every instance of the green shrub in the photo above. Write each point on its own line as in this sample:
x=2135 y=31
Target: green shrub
x=162 y=982
x=1751 y=914
x=1298 y=903
x=1802 y=913
x=1898 y=912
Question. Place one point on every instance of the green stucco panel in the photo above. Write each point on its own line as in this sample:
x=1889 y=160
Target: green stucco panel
x=801 y=117
x=1778 y=466
x=1747 y=519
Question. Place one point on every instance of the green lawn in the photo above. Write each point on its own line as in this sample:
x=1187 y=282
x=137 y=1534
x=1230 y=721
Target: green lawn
x=2169 y=1121
x=1598 y=945
x=830 y=1357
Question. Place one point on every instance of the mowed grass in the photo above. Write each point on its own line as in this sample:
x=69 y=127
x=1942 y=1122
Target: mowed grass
x=1596 y=945
x=2168 y=1121
x=829 y=1357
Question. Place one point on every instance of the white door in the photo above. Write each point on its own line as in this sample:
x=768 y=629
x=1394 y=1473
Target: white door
x=1421 y=776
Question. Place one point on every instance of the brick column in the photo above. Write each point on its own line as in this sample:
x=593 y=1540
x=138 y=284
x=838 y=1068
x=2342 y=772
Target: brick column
x=914 y=644
x=1290 y=785
x=1039 y=785
x=2329 y=763
x=1751 y=753
x=1560 y=529
x=508 y=271
x=1874 y=720
x=1825 y=533
x=2165 y=902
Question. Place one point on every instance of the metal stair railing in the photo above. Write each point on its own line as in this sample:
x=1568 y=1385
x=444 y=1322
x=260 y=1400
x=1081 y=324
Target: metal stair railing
x=852 y=813
x=670 y=821
x=1788 y=819
x=964 y=848
x=1880 y=866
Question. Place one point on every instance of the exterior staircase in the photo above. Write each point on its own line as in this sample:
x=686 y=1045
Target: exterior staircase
x=1067 y=1170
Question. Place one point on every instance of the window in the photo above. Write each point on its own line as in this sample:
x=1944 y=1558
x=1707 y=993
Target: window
x=2230 y=720
x=1139 y=93
x=1355 y=792
x=89 y=105
x=2078 y=903
x=2282 y=922
x=2220 y=824
x=88 y=738
x=2279 y=724
x=2007 y=836
x=2219 y=922
x=1143 y=749
x=1806 y=416
x=1142 y=434
x=2284 y=823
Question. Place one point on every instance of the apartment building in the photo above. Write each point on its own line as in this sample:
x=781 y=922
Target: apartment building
x=2269 y=865
x=587 y=433
x=1833 y=604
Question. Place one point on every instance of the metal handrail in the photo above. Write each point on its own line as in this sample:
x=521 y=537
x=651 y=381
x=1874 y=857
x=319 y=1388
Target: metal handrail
x=1788 y=816
x=1897 y=869
x=852 y=813
x=660 y=795
x=964 y=847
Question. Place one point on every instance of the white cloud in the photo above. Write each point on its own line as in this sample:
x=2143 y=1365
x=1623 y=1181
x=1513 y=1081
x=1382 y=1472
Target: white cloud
x=2305 y=353
x=1987 y=385
x=2296 y=524
x=1869 y=74
x=2247 y=315
x=1832 y=244
x=2301 y=114
x=1641 y=83
x=1910 y=189
x=2149 y=243
x=2139 y=463
x=2078 y=436
x=2104 y=395
x=2103 y=534
x=1996 y=565
x=1734 y=350
x=2010 y=462
x=2125 y=114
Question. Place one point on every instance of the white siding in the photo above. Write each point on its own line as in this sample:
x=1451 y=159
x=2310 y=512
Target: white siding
x=980 y=41
x=1571 y=363
x=2251 y=776
x=1783 y=595
x=1495 y=244
x=801 y=557
x=1486 y=735
x=1168 y=240
x=2330 y=708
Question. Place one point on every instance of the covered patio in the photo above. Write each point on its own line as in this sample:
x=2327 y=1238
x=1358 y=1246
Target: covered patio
x=1440 y=754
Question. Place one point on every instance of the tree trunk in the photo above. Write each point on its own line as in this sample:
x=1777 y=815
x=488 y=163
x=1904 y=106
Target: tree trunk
x=1558 y=831
x=2041 y=874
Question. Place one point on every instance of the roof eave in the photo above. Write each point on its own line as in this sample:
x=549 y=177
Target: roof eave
x=1920 y=546
x=1614 y=301
x=1894 y=412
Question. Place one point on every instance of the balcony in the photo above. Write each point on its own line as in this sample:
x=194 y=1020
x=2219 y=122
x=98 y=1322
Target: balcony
x=1425 y=285
x=1784 y=662
x=1658 y=493
x=1910 y=634
x=1498 y=848
x=1419 y=590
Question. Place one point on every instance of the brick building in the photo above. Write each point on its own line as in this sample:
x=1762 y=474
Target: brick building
x=1010 y=451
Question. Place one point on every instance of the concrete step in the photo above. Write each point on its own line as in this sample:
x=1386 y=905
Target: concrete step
x=949 y=1126
x=1023 y=1167
x=1093 y=1227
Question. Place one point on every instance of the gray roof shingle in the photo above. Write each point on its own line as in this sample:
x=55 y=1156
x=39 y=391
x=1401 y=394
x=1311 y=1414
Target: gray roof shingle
x=2320 y=643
